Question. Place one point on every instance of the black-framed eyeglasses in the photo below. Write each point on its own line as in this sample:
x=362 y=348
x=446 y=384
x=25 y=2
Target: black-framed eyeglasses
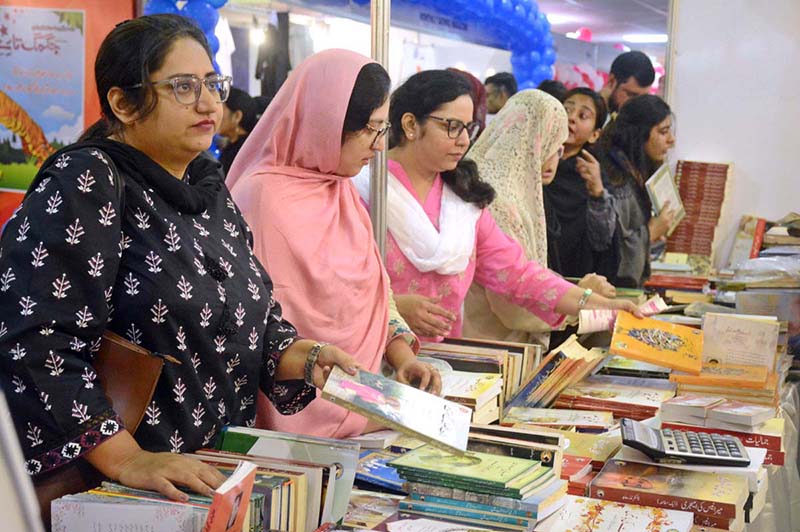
x=187 y=88
x=455 y=127
x=379 y=131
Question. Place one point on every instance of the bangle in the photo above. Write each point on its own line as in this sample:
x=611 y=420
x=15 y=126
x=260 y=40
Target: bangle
x=311 y=361
x=584 y=298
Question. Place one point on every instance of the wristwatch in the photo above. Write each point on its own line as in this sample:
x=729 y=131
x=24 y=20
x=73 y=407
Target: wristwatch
x=584 y=298
x=311 y=361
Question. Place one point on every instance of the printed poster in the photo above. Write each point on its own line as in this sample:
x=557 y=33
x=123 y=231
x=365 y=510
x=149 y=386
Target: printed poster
x=41 y=92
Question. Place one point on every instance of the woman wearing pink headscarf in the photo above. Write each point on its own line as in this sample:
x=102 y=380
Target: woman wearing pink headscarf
x=311 y=232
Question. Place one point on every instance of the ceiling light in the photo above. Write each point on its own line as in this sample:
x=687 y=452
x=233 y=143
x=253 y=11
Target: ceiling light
x=645 y=37
x=572 y=35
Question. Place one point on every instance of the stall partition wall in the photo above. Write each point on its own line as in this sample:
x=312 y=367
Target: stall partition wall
x=735 y=90
x=101 y=17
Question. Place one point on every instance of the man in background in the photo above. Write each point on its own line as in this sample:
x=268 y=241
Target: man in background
x=499 y=88
x=631 y=75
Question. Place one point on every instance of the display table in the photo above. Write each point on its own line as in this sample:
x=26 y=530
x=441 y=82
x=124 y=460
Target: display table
x=782 y=511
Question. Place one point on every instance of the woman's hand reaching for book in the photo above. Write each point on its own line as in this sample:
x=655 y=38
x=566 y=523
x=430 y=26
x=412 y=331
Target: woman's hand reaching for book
x=121 y=459
x=424 y=315
x=420 y=375
x=599 y=285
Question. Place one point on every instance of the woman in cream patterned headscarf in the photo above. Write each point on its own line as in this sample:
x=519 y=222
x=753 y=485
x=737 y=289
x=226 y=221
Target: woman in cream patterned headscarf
x=524 y=140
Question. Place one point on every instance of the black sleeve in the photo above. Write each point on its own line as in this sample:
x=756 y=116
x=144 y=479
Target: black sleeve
x=59 y=256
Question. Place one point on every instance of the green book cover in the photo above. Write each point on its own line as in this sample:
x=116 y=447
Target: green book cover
x=471 y=467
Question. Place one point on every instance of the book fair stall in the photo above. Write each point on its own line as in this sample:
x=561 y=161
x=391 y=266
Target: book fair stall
x=671 y=406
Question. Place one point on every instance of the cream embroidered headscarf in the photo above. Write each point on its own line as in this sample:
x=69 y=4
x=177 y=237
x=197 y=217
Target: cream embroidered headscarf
x=509 y=154
x=528 y=129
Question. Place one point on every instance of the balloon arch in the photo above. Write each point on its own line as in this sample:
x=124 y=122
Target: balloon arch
x=518 y=23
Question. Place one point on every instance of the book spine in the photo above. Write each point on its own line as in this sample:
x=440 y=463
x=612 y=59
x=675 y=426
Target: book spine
x=415 y=506
x=463 y=485
x=473 y=506
x=671 y=502
x=713 y=522
x=758 y=237
x=760 y=441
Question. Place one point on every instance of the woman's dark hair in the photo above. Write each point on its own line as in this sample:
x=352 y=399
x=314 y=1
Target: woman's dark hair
x=421 y=95
x=369 y=92
x=600 y=108
x=128 y=56
x=629 y=132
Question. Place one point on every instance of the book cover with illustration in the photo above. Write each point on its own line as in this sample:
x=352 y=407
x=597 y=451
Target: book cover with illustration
x=368 y=509
x=657 y=342
x=582 y=514
x=373 y=469
x=444 y=424
x=714 y=494
x=556 y=417
x=630 y=391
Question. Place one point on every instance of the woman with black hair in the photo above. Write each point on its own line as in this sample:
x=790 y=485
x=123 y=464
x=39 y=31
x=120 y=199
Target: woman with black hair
x=292 y=181
x=442 y=236
x=132 y=230
x=632 y=147
x=240 y=112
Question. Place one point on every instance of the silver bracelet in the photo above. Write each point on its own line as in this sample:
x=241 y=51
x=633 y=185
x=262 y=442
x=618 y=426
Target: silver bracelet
x=311 y=361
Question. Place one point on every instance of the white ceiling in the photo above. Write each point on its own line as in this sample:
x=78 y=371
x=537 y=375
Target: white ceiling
x=609 y=20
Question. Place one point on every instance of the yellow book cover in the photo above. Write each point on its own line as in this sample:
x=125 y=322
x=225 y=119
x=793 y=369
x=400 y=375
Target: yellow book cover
x=664 y=344
x=735 y=375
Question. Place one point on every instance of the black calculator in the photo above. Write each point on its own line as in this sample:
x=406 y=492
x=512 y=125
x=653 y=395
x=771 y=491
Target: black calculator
x=670 y=446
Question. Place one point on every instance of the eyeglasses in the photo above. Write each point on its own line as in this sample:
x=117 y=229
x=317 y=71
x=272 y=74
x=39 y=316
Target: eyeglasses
x=380 y=131
x=187 y=88
x=455 y=127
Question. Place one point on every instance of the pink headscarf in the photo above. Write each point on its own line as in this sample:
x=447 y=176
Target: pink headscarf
x=311 y=231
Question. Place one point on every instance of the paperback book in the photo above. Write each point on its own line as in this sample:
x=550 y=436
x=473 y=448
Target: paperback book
x=657 y=342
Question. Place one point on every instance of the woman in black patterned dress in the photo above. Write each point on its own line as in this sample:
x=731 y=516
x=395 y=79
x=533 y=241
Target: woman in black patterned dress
x=132 y=230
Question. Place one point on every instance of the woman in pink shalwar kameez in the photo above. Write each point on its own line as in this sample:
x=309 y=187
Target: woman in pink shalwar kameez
x=441 y=235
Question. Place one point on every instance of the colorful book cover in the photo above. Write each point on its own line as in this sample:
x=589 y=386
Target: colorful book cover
x=369 y=509
x=495 y=469
x=582 y=514
x=729 y=375
x=713 y=494
x=635 y=392
x=373 y=469
x=657 y=342
x=445 y=424
x=229 y=505
x=556 y=417
x=448 y=510
x=574 y=467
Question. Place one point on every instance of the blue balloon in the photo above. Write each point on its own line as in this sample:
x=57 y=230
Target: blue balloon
x=213 y=43
x=205 y=15
x=536 y=57
x=489 y=8
x=547 y=39
x=549 y=57
x=161 y=6
x=521 y=61
x=506 y=7
x=529 y=84
x=520 y=13
x=542 y=72
x=216 y=4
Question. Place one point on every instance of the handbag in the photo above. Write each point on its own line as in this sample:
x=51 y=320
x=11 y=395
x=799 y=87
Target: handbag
x=128 y=374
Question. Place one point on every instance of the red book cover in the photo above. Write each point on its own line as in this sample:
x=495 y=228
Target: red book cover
x=758 y=237
x=773 y=442
x=574 y=467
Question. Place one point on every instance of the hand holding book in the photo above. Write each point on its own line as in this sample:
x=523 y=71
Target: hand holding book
x=659 y=226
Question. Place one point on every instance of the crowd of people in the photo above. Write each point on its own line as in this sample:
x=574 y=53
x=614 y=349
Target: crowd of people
x=234 y=267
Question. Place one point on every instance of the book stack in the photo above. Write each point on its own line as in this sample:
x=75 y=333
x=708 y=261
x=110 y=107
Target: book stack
x=716 y=500
x=234 y=505
x=626 y=367
x=597 y=515
x=580 y=420
x=574 y=469
x=318 y=472
x=702 y=189
x=480 y=392
x=688 y=409
x=623 y=396
x=477 y=488
x=565 y=365
x=598 y=448
x=749 y=384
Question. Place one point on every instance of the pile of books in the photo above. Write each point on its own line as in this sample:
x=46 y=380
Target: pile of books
x=235 y=505
x=630 y=397
x=479 y=488
x=579 y=420
x=565 y=365
x=716 y=500
x=749 y=384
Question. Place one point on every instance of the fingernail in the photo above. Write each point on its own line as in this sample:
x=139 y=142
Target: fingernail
x=184 y=497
